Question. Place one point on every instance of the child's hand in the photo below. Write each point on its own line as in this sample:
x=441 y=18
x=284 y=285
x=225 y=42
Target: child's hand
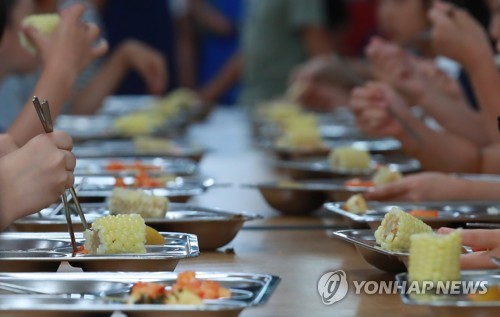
x=71 y=45
x=34 y=176
x=369 y=103
x=487 y=242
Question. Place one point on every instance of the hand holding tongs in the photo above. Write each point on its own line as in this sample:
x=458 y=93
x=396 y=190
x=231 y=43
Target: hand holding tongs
x=43 y=111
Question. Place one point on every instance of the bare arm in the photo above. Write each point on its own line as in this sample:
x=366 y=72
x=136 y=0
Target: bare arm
x=130 y=55
x=318 y=40
x=64 y=54
x=226 y=77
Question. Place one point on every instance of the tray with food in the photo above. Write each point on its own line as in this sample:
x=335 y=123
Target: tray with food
x=299 y=197
x=116 y=166
x=122 y=244
x=346 y=162
x=403 y=240
x=139 y=147
x=213 y=227
x=359 y=213
x=176 y=188
x=87 y=127
x=484 y=302
x=186 y=294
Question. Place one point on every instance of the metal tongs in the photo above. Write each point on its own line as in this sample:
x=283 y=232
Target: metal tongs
x=43 y=111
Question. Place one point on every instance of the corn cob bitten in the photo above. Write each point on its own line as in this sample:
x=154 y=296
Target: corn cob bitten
x=116 y=234
x=356 y=204
x=128 y=201
x=349 y=158
x=44 y=23
x=396 y=230
x=435 y=257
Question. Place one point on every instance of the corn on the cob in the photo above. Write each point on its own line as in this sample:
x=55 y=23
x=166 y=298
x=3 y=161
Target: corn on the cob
x=356 y=204
x=303 y=138
x=435 y=257
x=129 y=201
x=44 y=23
x=396 y=230
x=138 y=123
x=384 y=176
x=116 y=234
x=349 y=158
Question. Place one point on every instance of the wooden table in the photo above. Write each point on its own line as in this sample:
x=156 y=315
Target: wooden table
x=298 y=249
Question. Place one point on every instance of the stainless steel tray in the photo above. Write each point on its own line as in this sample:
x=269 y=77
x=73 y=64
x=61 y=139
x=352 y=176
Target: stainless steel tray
x=302 y=197
x=82 y=127
x=98 y=166
x=373 y=145
x=213 y=227
x=127 y=148
x=364 y=241
x=43 y=252
x=180 y=190
x=457 y=305
x=95 y=294
x=450 y=214
x=321 y=168
x=125 y=104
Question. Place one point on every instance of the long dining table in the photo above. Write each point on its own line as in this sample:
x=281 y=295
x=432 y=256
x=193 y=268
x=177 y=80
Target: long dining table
x=298 y=249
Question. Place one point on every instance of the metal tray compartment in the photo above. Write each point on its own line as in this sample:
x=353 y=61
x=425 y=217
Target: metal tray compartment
x=213 y=227
x=319 y=168
x=104 y=290
x=159 y=166
x=457 y=305
x=364 y=241
x=127 y=148
x=450 y=214
x=158 y=258
x=180 y=190
x=303 y=197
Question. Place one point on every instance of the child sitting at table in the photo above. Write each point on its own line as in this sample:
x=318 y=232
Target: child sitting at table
x=34 y=175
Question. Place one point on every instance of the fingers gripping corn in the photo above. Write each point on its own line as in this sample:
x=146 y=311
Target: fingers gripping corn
x=128 y=201
x=44 y=23
x=435 y=257
x=396 y=230
x=116 y=234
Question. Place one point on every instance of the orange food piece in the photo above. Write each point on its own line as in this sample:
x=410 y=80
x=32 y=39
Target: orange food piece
x=115 y=166
x=424 y=213
x=356 y=182
x=205 y=289
x=81 y=250
x=119 y=182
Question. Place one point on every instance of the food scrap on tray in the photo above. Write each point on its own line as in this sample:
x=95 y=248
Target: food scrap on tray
x=349 y=158
x=137 y=201
x=188 y=290
x=356 y=204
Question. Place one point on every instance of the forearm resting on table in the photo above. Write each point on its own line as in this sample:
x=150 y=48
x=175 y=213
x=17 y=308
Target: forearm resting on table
x=55 y=85
x=441 y=151
x=456 y=117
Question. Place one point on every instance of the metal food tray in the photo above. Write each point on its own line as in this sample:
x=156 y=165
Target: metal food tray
x=373 y=145
x=98 y=166
x=450 y=214
x=127 y=148
x=364 y=241
x=460 y=304
x=213 y=227
x=304 y=197
x=125 y=104
x=44 y=252
x=319 y=168
x=86 y=127
x=95 y=294
x=180 y=190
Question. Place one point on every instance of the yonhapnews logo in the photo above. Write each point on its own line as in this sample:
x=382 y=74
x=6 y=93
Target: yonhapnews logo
x=333 y=287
